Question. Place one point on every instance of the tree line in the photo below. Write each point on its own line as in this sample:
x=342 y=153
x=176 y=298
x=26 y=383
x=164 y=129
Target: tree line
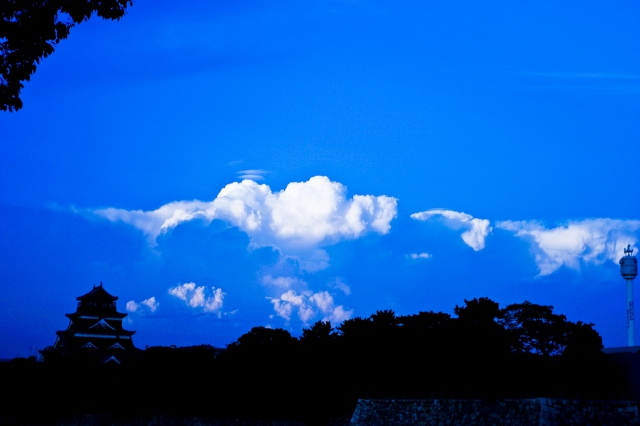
x=483 y=351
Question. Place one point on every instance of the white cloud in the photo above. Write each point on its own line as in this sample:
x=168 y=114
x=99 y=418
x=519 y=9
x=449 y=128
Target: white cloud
x=308 y=305
x=132 y=306
x=182 y=291
x=341 y=285
x=293 y=298
x=214 y=302
x=476 y=230
x=589 y=240
x=419 y=256
x=289 y=300
x=196 y=297
x=338 y=315
x=283 y=310
x=322 y=300
x=306 y=312
x=296 y=220
x=149 y=304
x=254 y=174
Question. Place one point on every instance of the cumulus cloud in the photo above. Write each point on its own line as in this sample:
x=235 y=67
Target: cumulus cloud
x=196 y=297
x=149 y=304
x=283 y=309
x=415 y=256
x=476 y=230
x=308 y=305
x=323 y=300
x=298 y=219
x=338 y=315
x=341 y=285
x=589 y=241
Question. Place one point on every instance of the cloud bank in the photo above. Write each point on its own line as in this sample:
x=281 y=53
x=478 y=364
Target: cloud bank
x=151 y=304
x=196 y=297
x=589 y=240
x=476 y=230
x=302 y=217
x=308 y=305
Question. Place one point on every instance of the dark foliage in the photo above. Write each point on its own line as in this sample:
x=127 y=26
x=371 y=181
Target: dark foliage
x=523 y=350
x=535 y=328
x=30 y=30
x=320 y=333
x=478 y=311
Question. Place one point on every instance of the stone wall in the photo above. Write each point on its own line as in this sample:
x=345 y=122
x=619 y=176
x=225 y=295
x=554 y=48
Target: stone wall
x=97 y=420
x=507 y=412
x=111 y=420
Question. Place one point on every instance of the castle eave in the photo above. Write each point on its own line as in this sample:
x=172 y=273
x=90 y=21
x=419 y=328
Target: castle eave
x=111 y=316
x=103 y=336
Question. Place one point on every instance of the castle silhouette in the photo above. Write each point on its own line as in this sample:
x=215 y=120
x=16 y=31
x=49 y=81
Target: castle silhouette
x=95 y=333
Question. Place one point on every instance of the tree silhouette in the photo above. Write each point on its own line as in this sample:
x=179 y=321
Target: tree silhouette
x=523 y=350
x=582 y=340
x=477 y=326
x=425 y=320
x=260 y=338
x=321 y=331
x=384 y=319
x=30 y=30
x=482 y=310
x=355 y=328
x=535 y=328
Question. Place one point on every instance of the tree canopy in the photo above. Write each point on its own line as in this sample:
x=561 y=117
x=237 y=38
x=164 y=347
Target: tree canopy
x=31 y=29
x=535 y=328
x=483 y=351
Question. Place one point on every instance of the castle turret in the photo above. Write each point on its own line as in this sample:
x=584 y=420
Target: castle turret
x=95 y=331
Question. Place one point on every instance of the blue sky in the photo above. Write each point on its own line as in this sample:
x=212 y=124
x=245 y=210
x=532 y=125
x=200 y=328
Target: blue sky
x=223 y=165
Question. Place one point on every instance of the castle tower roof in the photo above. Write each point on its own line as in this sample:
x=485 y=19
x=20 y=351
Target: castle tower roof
x=97 y=294
x=95 y=331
